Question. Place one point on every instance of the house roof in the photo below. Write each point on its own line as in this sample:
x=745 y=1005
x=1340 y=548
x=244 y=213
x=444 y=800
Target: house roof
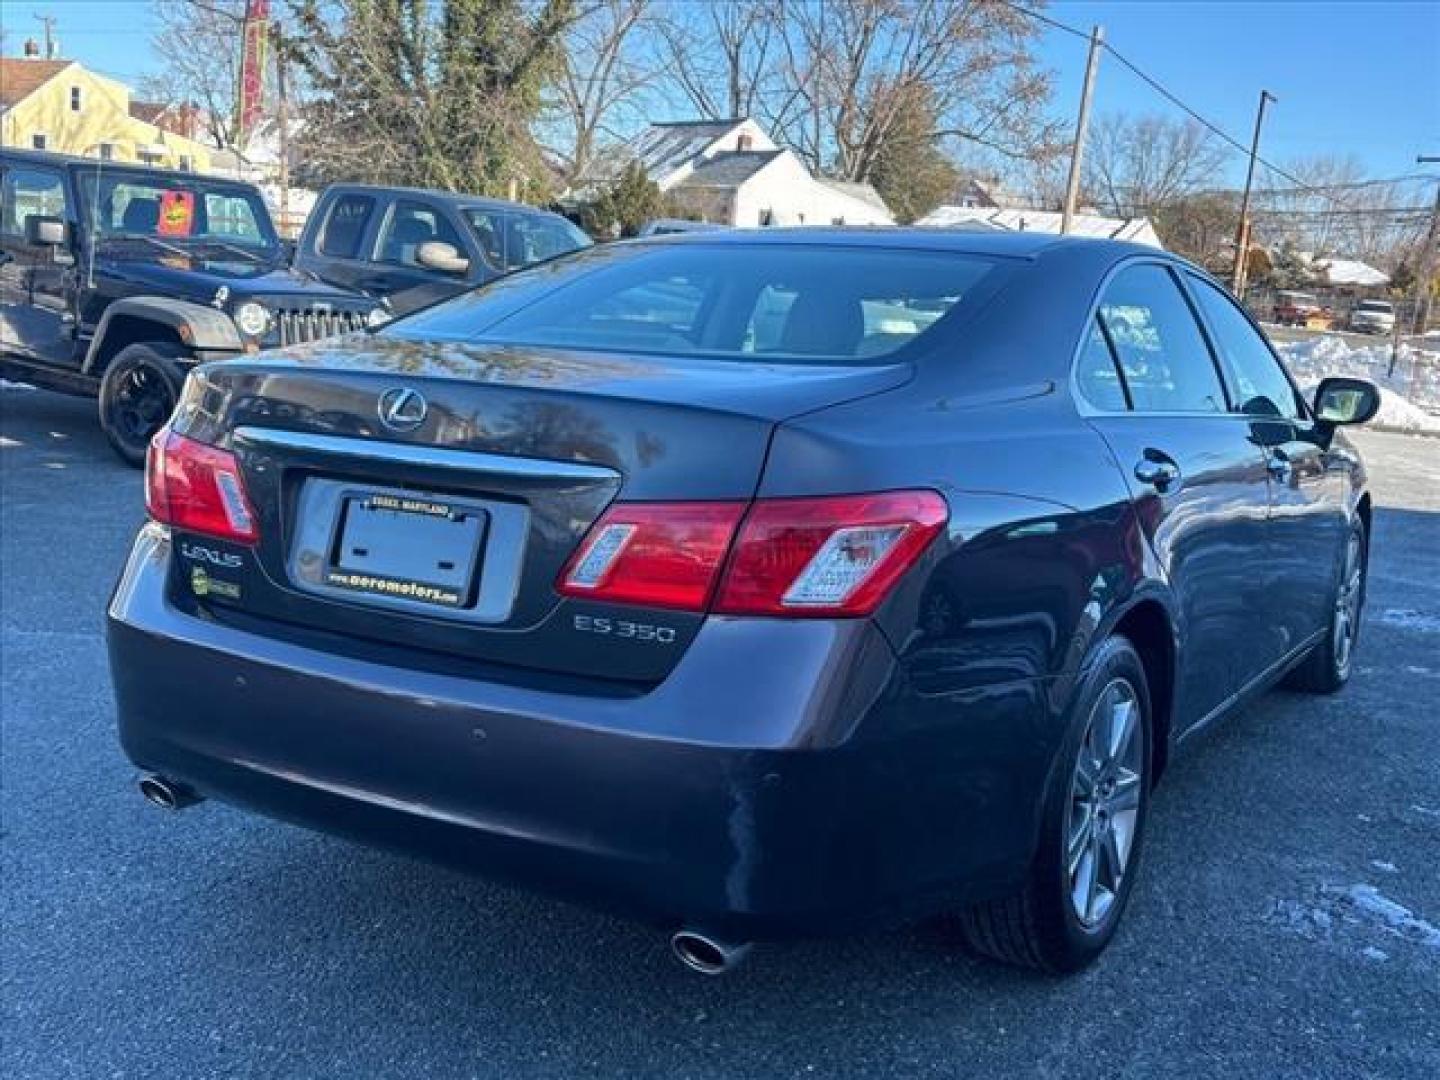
x=1351 y=272
x=1135 y=230
x=149 y=111
x=21 y=77
x=862 y=192
x=730 y=168
x=661 y=148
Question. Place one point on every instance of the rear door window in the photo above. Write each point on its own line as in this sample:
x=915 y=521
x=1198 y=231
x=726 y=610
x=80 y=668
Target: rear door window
x=1164 y=359
x=345 y=227
x=1258 y=385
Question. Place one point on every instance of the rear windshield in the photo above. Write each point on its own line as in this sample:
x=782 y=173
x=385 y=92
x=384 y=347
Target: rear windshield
x=1379 y=306
x=743 y=302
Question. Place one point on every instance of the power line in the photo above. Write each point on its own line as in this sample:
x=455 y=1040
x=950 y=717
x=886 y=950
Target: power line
x=1169 y=95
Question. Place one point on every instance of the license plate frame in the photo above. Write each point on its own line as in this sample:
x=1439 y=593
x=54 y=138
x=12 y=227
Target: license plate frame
x=419 y=549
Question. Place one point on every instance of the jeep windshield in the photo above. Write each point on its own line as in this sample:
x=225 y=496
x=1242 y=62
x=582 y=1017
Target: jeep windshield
x=175 y=211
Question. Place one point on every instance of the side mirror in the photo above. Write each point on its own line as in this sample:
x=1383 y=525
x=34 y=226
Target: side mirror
x=1346 y=401
x=44 y=231
x=438 y=255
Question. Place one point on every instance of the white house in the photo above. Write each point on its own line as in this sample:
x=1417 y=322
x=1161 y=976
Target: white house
x=731 y=172
x=1135 y=230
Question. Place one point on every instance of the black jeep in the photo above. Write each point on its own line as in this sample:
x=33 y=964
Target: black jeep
x=114 y=279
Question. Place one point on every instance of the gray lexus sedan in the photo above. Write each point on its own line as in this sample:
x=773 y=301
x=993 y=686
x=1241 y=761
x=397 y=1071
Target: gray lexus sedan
x=753 y=584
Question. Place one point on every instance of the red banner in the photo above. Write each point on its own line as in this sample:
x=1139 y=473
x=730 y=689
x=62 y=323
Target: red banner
x=252 y=67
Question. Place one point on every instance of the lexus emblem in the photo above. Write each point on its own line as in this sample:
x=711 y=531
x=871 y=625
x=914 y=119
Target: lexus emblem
x=402 y=409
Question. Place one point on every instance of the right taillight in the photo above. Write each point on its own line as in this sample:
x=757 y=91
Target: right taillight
x=197 y=487
x=830 y=556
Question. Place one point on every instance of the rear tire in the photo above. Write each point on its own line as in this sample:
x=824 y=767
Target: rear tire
x=1092 y=826
x=1328 y=665
x=137 y=395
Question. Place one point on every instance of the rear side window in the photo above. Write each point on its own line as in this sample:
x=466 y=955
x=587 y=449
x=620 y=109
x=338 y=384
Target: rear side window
x=345 y=226
x=729 y=301
x=1098 y=374
x=1258 y=386
x=1164 y=360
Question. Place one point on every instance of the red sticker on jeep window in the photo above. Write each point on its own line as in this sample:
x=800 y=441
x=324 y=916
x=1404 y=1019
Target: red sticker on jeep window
x=177 y=213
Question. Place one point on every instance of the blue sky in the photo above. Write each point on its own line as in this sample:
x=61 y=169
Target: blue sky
x=1352 y=77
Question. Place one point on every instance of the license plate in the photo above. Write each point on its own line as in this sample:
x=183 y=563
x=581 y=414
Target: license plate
x=407 y=549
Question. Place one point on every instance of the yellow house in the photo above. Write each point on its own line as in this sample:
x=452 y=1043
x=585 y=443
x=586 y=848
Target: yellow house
x=58 y=105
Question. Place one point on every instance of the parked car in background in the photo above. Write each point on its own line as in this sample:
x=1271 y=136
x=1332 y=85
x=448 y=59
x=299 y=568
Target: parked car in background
x=415 y=247
x=760 y=584
x=116 y=279
x=667 y=226
x=1300 y=309
x=1373 y=317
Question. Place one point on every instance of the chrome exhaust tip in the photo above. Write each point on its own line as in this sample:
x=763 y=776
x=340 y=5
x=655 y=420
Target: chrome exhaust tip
x=167 y=794
x=705 y=954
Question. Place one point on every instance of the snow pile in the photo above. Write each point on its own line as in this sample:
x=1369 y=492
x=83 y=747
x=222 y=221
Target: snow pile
x=1409 y=400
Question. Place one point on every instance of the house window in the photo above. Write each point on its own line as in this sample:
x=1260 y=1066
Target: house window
x=745 y=141
x=837 y=221
x=76 y=101
x=767 y=217
x=40 y=140
x=107 y=151
x=186 y=164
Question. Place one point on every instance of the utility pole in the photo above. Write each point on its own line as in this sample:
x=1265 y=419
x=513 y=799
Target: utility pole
x=282 y=120
x=1425 y=271
x=1082 y=124
x=49 y=21
x=1242 y=234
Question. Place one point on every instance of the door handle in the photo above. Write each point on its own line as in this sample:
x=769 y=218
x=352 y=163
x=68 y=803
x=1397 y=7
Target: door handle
x=1158 y=470
x=1279 y=466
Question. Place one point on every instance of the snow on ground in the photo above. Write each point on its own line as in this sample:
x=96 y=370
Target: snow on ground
x=1409 y=400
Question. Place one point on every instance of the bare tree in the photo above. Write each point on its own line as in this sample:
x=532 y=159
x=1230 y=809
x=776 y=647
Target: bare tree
x=720 y=56
x=833 y=78
x=1136 y=166
x=855 y=63
x=598 y=95
x=198 y=44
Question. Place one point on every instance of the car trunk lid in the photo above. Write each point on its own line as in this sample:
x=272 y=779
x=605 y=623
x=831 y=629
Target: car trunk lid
x=427 y=494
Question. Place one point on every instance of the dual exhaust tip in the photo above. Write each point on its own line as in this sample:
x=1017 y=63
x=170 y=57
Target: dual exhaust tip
x=698 y=951
x=168 y=794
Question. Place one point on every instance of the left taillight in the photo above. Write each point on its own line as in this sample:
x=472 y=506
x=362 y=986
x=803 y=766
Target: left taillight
x=196 y=487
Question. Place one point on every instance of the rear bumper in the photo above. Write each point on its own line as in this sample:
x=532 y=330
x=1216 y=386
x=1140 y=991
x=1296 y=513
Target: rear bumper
x=783 y=780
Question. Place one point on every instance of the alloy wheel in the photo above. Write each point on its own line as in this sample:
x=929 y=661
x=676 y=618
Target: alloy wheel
x=1347 y=604
x=1104 y=811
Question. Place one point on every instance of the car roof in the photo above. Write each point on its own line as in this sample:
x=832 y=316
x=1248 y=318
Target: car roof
x=72 y=161
x=451 y=198
x=1025 y=245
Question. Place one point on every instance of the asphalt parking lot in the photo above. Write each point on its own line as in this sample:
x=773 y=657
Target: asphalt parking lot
x=1286 y=922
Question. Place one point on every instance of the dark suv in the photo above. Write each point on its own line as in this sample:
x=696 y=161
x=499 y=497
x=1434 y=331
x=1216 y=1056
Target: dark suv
x=416 y=247
x=115 y=279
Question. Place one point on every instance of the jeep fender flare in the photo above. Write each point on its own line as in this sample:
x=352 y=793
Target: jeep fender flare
x=199 y=326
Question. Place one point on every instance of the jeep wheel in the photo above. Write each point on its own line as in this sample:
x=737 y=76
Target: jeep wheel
x=137 y=395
